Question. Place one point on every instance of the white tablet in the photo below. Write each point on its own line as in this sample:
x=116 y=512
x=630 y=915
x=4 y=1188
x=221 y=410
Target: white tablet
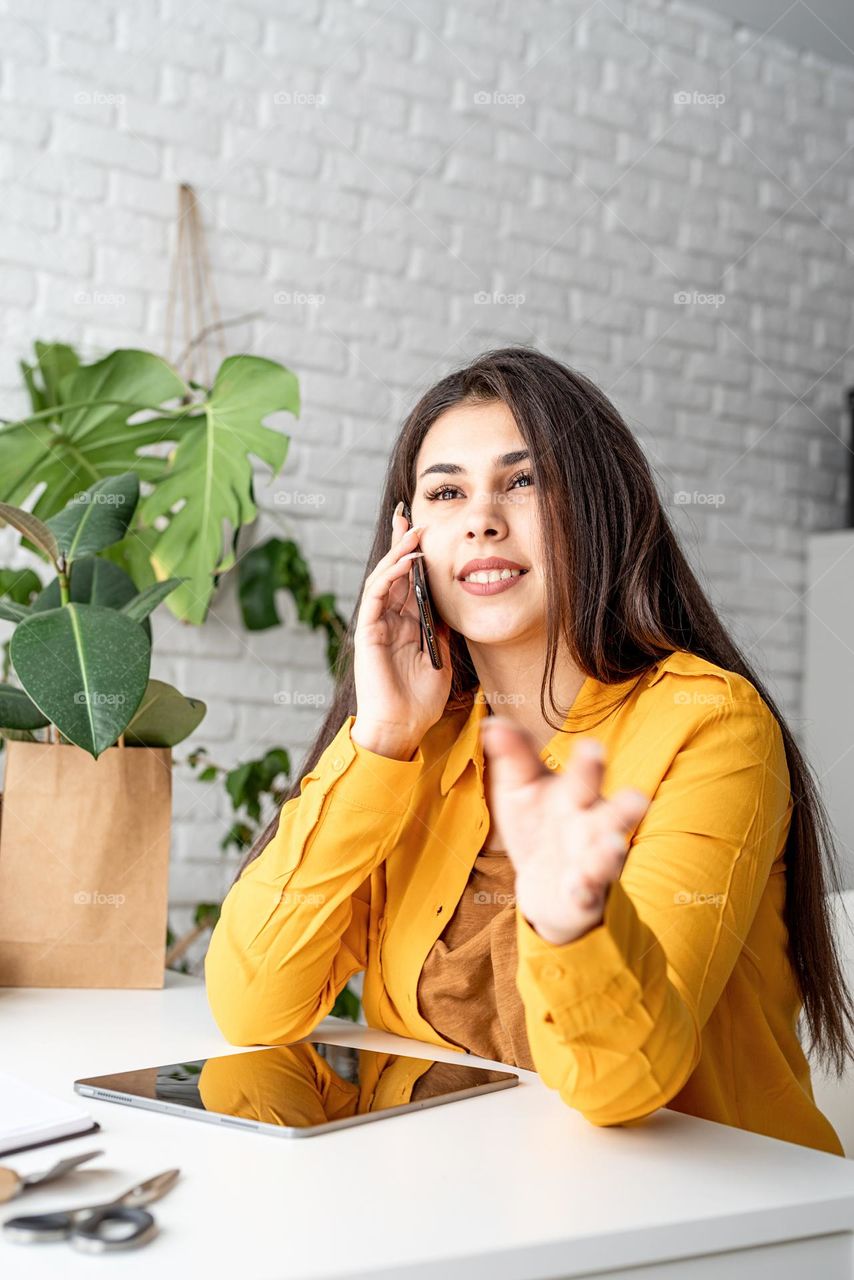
x=296 y=1090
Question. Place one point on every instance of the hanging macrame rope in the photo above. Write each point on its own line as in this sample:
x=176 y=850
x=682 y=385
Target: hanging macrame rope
x=192 y=281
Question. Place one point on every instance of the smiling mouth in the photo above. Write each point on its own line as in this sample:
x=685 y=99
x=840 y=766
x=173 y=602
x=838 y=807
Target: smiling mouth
x=492 y=581
x=493 y=575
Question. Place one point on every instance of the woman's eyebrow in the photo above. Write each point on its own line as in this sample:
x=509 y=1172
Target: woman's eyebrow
x=454 y=469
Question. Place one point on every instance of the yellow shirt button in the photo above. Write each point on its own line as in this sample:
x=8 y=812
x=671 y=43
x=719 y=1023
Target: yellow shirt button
x=552 y=971
x=551 y=762
x=337 y=763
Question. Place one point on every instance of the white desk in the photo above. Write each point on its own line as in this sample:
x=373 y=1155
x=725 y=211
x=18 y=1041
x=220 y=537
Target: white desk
x=510 y=1184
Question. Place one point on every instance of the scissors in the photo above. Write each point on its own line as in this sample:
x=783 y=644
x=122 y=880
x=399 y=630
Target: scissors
x=97 y=1228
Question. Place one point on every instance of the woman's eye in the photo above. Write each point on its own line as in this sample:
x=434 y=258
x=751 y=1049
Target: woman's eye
x=444 y=489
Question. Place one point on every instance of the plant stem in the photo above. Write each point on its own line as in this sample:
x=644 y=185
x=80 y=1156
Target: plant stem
x=183 y=943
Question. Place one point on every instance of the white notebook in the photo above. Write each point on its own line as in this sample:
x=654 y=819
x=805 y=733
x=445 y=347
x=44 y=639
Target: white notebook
x=29 y=1117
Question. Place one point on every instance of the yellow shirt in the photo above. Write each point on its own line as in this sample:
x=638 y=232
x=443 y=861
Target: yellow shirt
x=682 y=997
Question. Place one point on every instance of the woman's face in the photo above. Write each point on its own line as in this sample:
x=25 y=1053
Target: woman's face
x=477 y=503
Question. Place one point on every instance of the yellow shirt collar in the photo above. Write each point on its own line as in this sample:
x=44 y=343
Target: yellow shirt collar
x=468 y=745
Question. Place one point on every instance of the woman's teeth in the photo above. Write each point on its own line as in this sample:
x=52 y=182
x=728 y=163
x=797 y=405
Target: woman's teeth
x=493 y=575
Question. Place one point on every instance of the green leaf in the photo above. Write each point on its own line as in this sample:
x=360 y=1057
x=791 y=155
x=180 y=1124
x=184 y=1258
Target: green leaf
x=206 y=913
x=147 y=601
x=93 y=580
x=31 y=527
x=11 y=612
x=55 y=362
x=346 y=1005
x=97 y=517
x=17 y=711
x=133 y=554
x=165 y=717
x=86 y=668
x=85 y=444
x=19 y=586
x=17 y=735
x=276 y=565
x=211 y=475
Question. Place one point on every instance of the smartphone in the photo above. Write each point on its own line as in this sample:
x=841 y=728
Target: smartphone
x=425 y=609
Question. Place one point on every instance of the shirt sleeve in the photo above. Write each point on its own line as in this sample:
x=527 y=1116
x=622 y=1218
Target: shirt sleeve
x=614 y=1018
x=294 y=928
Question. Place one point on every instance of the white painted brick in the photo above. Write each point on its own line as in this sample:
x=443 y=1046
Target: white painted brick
x=399 y=199
x=94 y=142
x=102 y=66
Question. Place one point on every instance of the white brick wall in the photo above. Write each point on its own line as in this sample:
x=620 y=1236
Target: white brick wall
x=400 y=199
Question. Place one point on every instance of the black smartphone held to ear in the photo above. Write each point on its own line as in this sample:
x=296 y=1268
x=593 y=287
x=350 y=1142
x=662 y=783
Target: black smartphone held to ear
x=425 y=609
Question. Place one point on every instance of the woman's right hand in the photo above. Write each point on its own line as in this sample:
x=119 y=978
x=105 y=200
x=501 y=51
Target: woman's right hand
x=399 y=693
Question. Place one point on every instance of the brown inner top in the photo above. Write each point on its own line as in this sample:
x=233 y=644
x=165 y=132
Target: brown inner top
x=467 y=986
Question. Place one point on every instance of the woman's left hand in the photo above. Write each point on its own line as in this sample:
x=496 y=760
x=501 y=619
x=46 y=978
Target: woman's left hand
x=565 y=840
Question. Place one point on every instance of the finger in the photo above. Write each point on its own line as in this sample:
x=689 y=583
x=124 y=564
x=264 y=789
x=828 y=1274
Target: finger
x=624 y=809
x=588 y=891
x=511 y=752
x=584 y=772
x=406 y=541
x=375 y=601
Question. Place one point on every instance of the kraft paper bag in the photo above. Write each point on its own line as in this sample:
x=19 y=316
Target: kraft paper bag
x=84 y=866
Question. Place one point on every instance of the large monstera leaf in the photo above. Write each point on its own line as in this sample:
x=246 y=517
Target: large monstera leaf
x=81 y=431
x=72 y=447
x=210 y=474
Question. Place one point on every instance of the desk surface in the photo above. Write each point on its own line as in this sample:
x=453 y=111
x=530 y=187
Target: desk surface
x=508 y=1184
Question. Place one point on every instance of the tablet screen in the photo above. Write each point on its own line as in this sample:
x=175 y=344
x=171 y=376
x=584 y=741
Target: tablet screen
x=307 y=1087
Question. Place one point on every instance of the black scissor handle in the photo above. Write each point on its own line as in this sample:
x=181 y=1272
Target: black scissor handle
x=114 y=1227
x=30 y=1228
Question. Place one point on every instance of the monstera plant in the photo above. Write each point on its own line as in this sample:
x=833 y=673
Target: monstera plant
x=191 y=446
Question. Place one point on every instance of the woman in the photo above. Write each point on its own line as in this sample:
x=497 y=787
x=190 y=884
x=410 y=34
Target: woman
x=629 y=898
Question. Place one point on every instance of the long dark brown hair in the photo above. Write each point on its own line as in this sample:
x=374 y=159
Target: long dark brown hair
x=621 y=596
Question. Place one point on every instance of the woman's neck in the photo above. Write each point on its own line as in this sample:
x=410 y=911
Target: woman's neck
x=514 y=691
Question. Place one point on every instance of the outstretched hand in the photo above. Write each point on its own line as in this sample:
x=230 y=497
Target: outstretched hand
x=567 y=842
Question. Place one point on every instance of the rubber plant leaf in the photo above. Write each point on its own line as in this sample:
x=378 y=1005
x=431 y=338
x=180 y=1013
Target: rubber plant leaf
x=86 y=668
x=17 y=711
x=31 y=527
x=165 y=717
x=147 y=601
x=93 y=580
x=97 y=517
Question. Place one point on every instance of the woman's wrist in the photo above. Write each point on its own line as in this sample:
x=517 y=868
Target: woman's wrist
x=383 y=742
